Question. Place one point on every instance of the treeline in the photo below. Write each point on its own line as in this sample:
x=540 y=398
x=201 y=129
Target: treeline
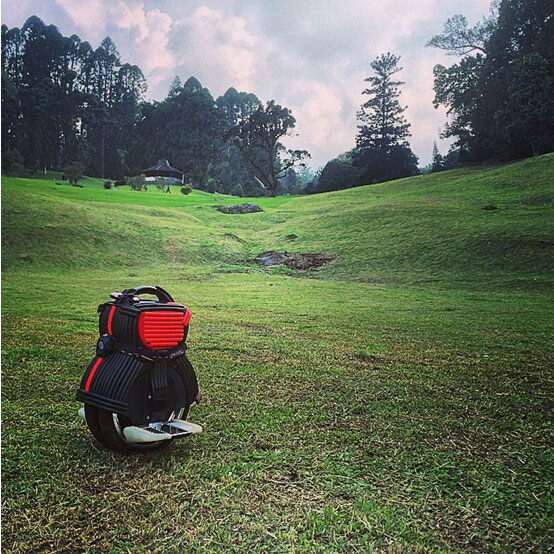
x=65 y=102
x=499 y=96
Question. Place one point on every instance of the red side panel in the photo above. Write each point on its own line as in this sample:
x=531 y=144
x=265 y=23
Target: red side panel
x=162 y=329
x=92 y=372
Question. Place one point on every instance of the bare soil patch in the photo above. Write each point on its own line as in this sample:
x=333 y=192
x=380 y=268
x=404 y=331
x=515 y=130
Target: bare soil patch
x=295 y=260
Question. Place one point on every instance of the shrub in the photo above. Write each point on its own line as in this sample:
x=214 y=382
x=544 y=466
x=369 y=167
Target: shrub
x=211 y=185
x=138 y=182
x=74 y=171
x=186 y=189
x=238 y=190
x=108 y=185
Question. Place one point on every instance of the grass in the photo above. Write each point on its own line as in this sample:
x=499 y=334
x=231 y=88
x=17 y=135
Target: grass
x=398 y=400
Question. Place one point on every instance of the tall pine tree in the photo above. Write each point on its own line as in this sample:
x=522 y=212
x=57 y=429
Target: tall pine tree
x=382 y=150
x=383 y=124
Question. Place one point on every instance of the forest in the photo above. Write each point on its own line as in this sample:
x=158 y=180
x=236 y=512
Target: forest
x=64 y=102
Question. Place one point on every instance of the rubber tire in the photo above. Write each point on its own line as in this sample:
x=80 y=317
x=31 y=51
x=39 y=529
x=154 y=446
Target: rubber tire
x=91 y=417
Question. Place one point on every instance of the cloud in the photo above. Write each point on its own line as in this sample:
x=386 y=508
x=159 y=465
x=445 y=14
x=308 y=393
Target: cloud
x=216 y=47
x=89 y=16
x=145 y=33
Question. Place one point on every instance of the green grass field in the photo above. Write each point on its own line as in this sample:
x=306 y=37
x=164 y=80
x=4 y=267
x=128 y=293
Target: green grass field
x=400 y=399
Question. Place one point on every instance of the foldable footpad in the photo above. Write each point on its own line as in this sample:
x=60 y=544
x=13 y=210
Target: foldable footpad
x=173 y=429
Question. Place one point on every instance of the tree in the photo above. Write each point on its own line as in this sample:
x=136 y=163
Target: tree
x=383 y=125
x=528 y=113
x=338 y=174
x=238 y=190
x=74 y=172
x=12 y=161
x=377 y=166
x=498 y=96
x=258 y=139
x=185 y=128
x=437 y=163
x=176 y=85
x=459 y=39
x=70 y=102
x=382 y=150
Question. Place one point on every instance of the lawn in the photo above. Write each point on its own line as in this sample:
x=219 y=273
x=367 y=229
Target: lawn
x=400 y=399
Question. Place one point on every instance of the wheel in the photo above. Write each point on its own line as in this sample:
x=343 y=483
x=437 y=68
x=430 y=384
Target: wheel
x=111 y=426
x=91 y=417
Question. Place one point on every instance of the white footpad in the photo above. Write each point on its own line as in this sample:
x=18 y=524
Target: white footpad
x=154 y=432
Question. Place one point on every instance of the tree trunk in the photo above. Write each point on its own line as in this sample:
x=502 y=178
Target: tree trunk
x=272 y=185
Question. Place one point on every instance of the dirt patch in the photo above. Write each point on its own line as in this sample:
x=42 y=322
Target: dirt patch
x=295 y=260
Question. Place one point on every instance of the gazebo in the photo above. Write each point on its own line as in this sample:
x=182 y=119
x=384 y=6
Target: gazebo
x=163 y=169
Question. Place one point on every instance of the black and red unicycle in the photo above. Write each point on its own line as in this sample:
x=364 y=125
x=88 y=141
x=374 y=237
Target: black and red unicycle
x=139 y=388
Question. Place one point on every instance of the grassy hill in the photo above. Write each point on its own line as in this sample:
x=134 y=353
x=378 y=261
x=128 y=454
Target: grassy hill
x=425 y=227
x=399 y=399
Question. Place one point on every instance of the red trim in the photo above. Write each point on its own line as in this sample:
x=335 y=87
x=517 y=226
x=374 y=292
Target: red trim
x=110 y=317
x=187 y=316
x=92 y=372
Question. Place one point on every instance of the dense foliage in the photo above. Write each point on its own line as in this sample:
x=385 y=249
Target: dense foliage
x=64 y=102
x=500 y=95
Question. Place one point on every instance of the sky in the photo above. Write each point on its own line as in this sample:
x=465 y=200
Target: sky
x=311 y=56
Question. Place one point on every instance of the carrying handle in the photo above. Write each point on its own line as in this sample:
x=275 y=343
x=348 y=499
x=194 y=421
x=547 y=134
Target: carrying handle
x=161 y=294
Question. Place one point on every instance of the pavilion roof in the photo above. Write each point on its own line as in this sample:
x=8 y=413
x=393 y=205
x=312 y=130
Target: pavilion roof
x=163 y=169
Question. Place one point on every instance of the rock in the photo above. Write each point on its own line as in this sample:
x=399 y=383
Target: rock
x=270 y=258
x=292 y=236
x=295 y=260
x=240 y=209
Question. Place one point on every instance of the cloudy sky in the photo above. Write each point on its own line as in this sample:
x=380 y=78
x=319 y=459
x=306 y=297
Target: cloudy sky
x=309 y=55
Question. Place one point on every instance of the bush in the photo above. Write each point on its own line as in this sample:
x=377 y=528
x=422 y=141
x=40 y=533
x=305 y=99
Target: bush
x=211 y=185
x=186 y=189
x=108 y=185
x=138 y=182
x=74 y=171
x=238 y=190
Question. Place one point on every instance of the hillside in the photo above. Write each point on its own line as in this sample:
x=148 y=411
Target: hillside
x=426 y=227
x=397 y=400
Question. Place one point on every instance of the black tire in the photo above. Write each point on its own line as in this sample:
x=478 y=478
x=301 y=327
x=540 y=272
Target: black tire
x=111 y=434
x=91 y=417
